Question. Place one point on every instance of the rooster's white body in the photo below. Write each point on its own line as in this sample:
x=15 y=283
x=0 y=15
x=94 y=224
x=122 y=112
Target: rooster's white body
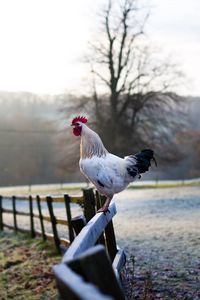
x=109 y=173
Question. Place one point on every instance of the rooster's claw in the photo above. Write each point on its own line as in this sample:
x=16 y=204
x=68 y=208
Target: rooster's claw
x=104 y=210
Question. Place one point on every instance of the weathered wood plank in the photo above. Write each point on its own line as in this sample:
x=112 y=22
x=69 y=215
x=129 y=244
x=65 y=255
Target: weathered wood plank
x=78 y=223
x=17 y=212
x=90 y=233
x=40 y=217
x=45 y=218
x=110 y=240
x=95 y=266
x=72 y=286
x=62 y=222
x=69 y=217
x=64 y=242
x=89 y=204
x=31 y=217
x=53 y=223
x=77 y=199
x=50 y=237
x=119 y=262
x=59 y=199
x=48 y=219
x=18 y=198
x=73 y=199
x=22 y=213
x=14 y=213
x=7 y=211
x=101 y=239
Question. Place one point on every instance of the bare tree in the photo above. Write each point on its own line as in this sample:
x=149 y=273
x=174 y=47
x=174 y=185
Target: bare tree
x=132 y=96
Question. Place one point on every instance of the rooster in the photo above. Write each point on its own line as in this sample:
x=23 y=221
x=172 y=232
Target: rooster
x=109 y=173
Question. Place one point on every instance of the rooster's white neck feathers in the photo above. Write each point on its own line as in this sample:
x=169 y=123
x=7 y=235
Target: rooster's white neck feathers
x=91 y=144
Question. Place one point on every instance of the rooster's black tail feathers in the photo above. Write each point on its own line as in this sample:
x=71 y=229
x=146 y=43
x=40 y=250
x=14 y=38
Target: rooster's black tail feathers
x=140 y=162
x=144 y=160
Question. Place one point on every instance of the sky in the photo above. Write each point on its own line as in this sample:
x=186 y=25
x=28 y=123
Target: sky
x=43 y=42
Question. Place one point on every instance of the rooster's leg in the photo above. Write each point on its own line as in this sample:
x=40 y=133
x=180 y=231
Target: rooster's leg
x=104 y=208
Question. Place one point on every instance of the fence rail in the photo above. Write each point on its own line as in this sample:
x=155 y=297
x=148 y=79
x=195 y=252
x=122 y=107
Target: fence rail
x=98 y=265
x=51 y=218
x=60 y=199
x=92 y=254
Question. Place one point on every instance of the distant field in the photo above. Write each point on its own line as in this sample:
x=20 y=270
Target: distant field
x=42 y=189
x=76 y=187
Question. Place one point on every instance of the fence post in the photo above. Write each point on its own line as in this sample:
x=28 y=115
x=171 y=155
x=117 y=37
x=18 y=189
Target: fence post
x=31 y=217
x=89 y=204
x=69 y=217
x=78 y=223
x=53 y=223
x=95 y=267
x=110 y=240
x=1 y=213
x=41 y=217
x=14 y=213
x=101 y=239
x=110 y=234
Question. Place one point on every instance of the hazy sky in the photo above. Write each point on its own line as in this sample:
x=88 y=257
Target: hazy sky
x=42 y=42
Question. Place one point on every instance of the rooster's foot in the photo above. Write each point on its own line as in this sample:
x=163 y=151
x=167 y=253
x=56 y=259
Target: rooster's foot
x=104 y=209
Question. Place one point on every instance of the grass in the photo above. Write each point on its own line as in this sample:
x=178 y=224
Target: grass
x=26 y=268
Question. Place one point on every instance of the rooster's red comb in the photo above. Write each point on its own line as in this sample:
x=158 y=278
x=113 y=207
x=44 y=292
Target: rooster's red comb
x=79 y=119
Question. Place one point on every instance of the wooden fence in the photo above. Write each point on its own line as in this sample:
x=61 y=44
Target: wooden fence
x=87 y=202
x=90 y=268
x=89 y=271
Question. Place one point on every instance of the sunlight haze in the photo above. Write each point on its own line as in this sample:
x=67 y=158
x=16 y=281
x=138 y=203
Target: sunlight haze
x=43 y=43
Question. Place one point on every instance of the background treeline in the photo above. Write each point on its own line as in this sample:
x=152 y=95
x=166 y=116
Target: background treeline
x=28 y=148
x=36 y=144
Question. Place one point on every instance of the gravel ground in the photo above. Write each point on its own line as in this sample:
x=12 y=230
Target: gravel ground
x=160 y=232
